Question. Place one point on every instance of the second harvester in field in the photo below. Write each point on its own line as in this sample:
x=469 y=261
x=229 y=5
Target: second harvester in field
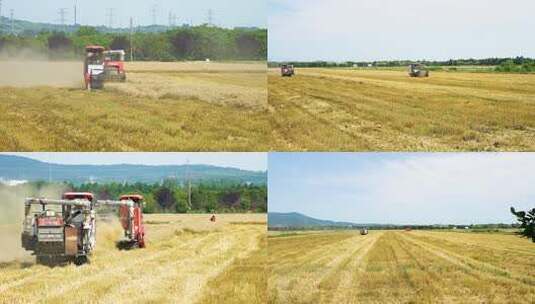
x=131 y=217
x=418 y=70
x=287 y=70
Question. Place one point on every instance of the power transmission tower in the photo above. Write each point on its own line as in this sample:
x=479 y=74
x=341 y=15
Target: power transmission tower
x=109 y=16
x=62 y=12
x=210 y=17
x=1 y=20
x=153 y=12
x=11 y=11
x=170 y=18
x=131 y=41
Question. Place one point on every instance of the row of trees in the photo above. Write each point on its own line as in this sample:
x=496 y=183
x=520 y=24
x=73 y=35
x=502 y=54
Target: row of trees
x=173 y=197
x=183 y=43
x=517 y=64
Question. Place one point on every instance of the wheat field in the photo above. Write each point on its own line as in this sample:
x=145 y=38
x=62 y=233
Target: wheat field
x=400 y=267
x=188 y=259
x=171 y=106
x=382 y=110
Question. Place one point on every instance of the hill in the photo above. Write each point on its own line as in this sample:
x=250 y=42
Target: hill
x=23 y=168
x=298 y=220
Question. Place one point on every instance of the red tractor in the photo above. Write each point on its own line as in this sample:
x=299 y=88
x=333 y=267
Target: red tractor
x=131 y=217
x=114 y=65
x=94 y=67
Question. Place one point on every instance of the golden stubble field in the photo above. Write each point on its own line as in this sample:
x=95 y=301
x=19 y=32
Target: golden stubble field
x=381 y=110
x=188 y=259
x=400 y=267
x=171 y=106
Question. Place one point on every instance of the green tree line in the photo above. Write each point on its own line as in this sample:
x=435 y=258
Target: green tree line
x=171 y=196
x=511 y=65
x=182 y=43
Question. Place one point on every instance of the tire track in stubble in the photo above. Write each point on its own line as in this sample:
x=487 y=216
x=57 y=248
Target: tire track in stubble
x=353 y=270
x=470 y=265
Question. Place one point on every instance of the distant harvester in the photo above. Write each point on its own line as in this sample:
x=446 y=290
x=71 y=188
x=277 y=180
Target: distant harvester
x=364 y=231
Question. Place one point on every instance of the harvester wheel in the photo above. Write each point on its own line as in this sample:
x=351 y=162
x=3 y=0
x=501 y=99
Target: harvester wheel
x=142 y=242
x=80 y=260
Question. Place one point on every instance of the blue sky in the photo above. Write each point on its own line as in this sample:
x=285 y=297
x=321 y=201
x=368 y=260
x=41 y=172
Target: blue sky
x=456 y=188
x=246 y=161
x=227 y=13
x=341 y=30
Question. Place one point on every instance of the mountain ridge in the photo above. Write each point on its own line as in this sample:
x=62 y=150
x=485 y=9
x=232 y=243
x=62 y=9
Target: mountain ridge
x=14 y=167
x=299 y=220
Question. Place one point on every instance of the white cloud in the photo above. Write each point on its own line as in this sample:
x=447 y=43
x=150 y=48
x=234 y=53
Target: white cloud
x=450 y=187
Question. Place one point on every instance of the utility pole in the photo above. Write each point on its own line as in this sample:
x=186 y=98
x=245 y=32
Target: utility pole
x=109 y=16
x=62 y=12
x=189 y=184
x=75 y=13
x=131 y=41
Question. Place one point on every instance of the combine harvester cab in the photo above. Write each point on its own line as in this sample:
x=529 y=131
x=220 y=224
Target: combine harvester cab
x=131 y=217
x=418 y=70
x=287 y=70
x=114 y=65
x=94 y=67
x=64 y=230
x=364 y=231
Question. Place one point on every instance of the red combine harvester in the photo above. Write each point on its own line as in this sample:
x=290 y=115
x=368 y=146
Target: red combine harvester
x=94 y=67
x=60 y=230
x=131 y=217
x=287 y=70
x=64 y=230
x=114 y=65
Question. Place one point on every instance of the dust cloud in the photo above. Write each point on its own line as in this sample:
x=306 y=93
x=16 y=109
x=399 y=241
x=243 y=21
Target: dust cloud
x=12 y=215
x=28 y=69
